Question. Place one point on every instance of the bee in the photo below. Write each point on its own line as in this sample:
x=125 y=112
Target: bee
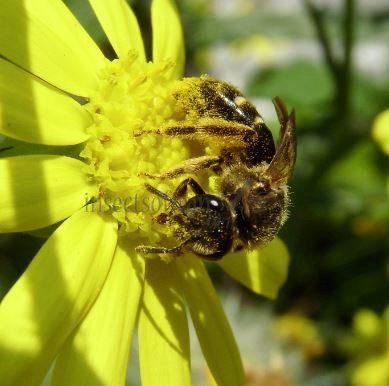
x=252 y=200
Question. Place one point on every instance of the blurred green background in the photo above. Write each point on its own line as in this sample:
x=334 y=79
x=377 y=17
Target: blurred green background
x=330 y=61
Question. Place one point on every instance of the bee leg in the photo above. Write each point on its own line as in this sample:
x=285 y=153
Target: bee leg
x=238 y=134
x=191 y=165
x=182 y=188
x=148 y=249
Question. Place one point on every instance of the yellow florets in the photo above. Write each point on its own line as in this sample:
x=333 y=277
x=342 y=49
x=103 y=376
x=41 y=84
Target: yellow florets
x=132 y=96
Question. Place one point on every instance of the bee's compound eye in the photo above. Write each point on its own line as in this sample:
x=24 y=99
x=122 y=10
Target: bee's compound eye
x=213 y=203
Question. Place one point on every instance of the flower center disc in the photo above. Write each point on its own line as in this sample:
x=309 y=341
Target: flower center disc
x=132 y=96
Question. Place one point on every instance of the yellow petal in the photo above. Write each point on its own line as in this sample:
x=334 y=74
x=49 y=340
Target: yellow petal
x=263 y=271
x=168 y=37
x=32 y=111
x=53 y=296
x=97 y=353
x=44 y=38
x=163 y=329
x=120 y=25
x=213 y=331
x=39 y=190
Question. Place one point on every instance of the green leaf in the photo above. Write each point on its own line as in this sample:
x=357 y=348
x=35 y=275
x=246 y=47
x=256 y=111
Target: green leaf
x=10 y=147
x=306 y=86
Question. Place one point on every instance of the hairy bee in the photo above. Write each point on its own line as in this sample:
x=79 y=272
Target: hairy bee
x=251 y=204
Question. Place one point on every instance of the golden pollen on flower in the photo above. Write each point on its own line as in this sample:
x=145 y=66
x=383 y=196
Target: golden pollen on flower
x=132 y=96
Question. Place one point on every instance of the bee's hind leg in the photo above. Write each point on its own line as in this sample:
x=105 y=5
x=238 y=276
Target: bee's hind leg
x=207 y=131
x=191 y=165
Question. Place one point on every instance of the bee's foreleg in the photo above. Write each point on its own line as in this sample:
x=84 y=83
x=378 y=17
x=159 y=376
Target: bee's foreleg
x=148 y=249
x=182 y=188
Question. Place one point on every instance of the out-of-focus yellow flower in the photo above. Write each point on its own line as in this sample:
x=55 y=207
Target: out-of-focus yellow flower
x=368 y=348
x=381 y=133
x=299 y=330
x=381 y=130
x=80 y=298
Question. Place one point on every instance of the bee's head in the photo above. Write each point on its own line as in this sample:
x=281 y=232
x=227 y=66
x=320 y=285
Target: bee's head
x=207 y=221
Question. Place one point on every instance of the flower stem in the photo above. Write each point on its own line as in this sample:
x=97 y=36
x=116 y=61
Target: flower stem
x=340 y=68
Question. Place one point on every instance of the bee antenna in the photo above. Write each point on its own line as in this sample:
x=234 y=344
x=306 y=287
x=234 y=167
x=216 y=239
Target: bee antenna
x=164 y=196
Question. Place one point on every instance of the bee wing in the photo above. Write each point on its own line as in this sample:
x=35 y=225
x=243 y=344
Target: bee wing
x=283 y=116
x=282 y=165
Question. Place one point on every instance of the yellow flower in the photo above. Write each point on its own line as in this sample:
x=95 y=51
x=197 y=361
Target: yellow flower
x=381 y=134
x=301 y=331
x=79 y=300
x=381 y=130
x=368 y=347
